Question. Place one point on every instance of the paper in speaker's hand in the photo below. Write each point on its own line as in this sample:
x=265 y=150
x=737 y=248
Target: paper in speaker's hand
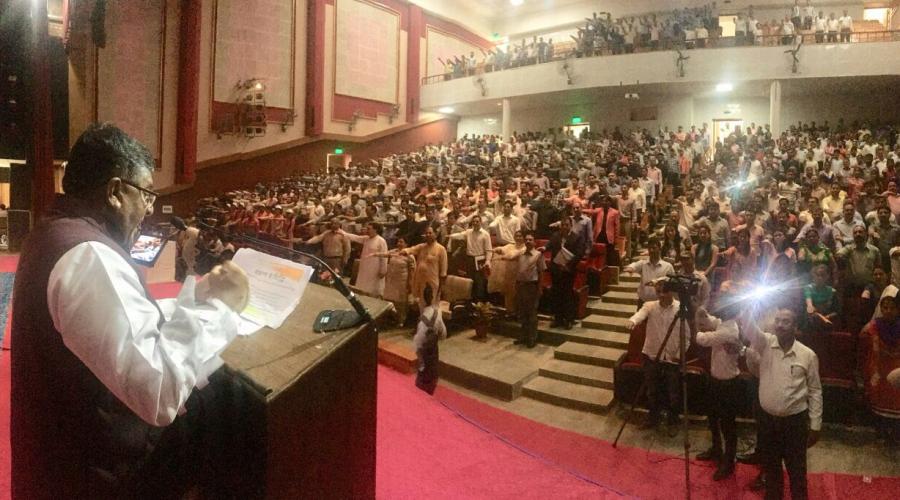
x=276 y=286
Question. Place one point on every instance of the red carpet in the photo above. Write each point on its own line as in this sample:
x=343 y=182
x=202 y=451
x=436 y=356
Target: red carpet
x=452 y=446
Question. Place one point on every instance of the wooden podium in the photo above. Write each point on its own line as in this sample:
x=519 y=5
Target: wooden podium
x=313 y=403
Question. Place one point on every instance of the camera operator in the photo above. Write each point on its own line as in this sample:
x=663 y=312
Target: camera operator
x=723 y=337
x=661 y=377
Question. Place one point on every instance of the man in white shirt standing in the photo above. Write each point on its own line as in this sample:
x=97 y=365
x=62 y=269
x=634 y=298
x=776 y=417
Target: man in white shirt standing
x=478 y=248
x=845 y=23
x=649 y=270
x=506 y=225
x=833 y=27
x=790 y=394
x=725 y=392
x=661 y=378
x=103 y=377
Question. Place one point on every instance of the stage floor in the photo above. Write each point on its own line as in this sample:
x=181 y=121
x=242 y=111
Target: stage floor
x=477 y=369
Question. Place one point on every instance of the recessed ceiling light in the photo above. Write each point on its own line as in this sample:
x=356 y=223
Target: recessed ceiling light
x=446 y=110
x=516 y=3
x=724 y=87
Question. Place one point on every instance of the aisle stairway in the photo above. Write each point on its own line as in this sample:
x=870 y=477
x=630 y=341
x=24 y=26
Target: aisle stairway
x=580 y=374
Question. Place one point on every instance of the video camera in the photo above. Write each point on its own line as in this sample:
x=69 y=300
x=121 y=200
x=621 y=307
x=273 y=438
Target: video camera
x=682 y=284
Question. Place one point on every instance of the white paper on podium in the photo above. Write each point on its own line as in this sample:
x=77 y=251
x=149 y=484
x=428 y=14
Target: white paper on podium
x=276 y=287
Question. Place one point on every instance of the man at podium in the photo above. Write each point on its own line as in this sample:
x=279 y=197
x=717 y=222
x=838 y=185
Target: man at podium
x=107 y=384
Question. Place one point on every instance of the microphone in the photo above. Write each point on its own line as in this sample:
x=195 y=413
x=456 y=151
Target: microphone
x=178 y=223
x=341 y=317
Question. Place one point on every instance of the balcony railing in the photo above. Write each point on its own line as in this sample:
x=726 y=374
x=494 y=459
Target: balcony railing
x=565 y=50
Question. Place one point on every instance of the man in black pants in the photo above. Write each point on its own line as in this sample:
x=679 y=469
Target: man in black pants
x=566 y=250
x=529 y=269
x=724 y=388
x=790 y=394
x=662 y=378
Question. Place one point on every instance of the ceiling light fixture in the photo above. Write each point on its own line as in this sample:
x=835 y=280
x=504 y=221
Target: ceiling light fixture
x=516 y=3
x=446 y=110
x=724 y=87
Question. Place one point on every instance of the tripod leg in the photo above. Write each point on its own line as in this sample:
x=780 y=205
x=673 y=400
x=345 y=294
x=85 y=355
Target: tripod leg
x=643 y=386
x=684 y=413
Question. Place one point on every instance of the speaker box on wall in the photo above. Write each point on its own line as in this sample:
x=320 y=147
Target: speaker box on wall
x=19 y=227
x=20 y=186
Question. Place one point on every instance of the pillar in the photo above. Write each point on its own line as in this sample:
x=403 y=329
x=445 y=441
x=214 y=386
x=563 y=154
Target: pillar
x=40 y=120
x=506 y=124
x=188 y=92
x=775 y=108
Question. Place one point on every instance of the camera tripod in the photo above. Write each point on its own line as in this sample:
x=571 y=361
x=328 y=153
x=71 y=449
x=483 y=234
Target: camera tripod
x=683 y=314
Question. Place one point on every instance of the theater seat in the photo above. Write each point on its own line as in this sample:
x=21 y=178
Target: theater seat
x=455 y=294
x=836 y=371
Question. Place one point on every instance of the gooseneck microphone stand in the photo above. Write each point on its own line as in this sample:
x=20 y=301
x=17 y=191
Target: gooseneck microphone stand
x=336 y=280
x=684 y=316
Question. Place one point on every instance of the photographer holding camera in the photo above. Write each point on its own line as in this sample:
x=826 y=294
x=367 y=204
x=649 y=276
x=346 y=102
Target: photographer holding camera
x=661 y=377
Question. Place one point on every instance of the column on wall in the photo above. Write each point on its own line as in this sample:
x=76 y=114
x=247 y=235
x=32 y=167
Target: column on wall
x=315 y=67
x=506 y=124
x=775 y=107
x=415 y=33
x=188 y=92
x=40 y=152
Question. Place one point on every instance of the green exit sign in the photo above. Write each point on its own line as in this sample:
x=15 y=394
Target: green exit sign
x=338 y=151
x=576 y=120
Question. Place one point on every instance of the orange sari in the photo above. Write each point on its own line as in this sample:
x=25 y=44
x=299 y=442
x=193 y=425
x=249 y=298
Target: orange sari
x=881 y=355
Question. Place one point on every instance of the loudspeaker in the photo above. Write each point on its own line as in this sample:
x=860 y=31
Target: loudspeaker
x=19 y=227
x=19 y=186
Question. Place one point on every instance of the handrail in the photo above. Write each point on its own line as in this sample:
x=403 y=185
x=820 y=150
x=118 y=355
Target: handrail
x=606 y=49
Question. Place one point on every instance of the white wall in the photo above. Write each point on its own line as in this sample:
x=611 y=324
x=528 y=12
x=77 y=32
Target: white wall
x=705 y=67
x=687 y=111
x=476 y=125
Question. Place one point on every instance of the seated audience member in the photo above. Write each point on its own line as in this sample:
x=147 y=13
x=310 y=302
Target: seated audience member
x=873 y=290
x=880 y=341
x=671 y=244
x=706 y=254
x=822 y=309
x=811 y=254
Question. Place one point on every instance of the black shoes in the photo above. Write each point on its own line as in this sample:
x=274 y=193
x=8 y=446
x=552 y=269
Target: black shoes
x=723 y=471
x=710 y=455
x=518 y=342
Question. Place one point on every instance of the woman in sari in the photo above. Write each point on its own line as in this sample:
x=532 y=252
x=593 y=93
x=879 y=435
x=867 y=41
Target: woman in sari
x=503 y=271
x=880 y=341
x=398 y=280
x=743 y=259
